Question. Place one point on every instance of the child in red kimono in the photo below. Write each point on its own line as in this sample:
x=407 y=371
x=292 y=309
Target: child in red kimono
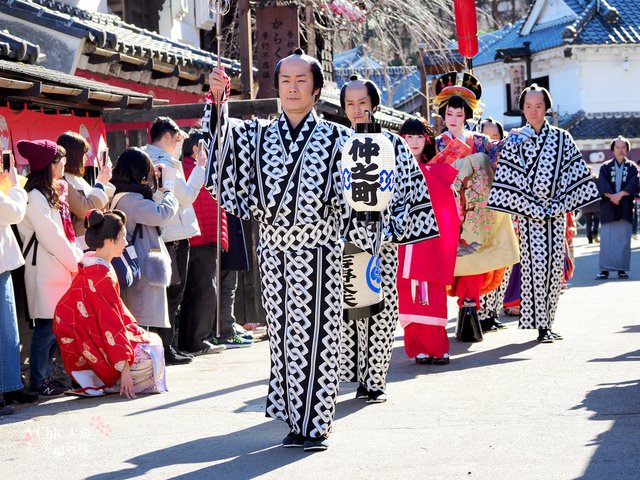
x=100 y=342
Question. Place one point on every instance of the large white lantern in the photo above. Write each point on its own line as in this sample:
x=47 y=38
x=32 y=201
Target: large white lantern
x=368 y=171
x=362 y=283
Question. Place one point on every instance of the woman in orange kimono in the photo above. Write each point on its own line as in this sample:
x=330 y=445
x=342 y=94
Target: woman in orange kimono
x=426 y=268
x=100 y=342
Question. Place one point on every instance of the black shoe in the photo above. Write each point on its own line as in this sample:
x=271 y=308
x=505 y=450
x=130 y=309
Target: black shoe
x=623 y=274
x=293 y=440
x=171 y=357
x=602 y=276
x=362 y=392
x=377 y=397
x=312 y=444
x=442 y=361
x=184 y=354
x=556 y=336
x=424 y=360
x=488 y=326
x=20 y=396
x=50 y=388
x=498 y=324
x=5 y=410
x=544 y=336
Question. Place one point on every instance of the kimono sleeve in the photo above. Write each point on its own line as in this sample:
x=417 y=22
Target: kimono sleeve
x=604 y=184
x=239 y=142
x=112 y=324
x=508 y=191
x=411 y=216
x=577 y=187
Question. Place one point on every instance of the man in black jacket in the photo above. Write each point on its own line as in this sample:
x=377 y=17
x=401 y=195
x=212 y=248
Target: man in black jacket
x=618 y=184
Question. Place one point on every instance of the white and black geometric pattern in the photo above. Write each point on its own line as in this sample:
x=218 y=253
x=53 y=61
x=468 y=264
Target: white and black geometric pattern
x=491 y=303
x=292 y=187
x=367 y=343
x=539 y=181
x=409 y=218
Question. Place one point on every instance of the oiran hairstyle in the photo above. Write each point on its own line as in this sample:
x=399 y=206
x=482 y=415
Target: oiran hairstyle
x=372 y=91
x=620 y=138
x=314 y=66
x=103 y=226
x=535 y=88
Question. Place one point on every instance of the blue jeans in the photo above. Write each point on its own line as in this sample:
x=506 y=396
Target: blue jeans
x=43 y=345
x=10 y=379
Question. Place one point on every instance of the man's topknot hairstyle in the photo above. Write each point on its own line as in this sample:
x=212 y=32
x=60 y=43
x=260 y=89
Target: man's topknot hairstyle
x=534 y=87
x=620 y=138
x=372 y=91
x=314 y=65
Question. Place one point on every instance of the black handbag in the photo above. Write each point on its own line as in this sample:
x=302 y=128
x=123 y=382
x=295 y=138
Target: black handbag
x=468 y=328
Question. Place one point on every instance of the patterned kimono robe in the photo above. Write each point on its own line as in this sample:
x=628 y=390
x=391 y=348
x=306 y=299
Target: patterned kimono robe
x=540 y=180
x=292 y=186
x=367 y=343
x=487 y=243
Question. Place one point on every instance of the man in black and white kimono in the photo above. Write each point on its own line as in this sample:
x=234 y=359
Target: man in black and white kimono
x=541 y=176
x=367 y=343
x=618 y=185
x=285 y=174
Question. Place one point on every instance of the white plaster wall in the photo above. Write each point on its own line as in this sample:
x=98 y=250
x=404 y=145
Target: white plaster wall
x=495 y=99
x=62 y=51
x=565 y=87
x=606 y=86
x=88 y=5
x=178 y=22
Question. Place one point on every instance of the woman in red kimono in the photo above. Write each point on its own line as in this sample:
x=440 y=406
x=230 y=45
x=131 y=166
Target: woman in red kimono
x=100 y=342
x=426 y=268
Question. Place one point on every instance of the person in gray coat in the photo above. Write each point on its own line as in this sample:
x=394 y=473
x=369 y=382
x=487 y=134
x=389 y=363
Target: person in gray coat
x=134 y=180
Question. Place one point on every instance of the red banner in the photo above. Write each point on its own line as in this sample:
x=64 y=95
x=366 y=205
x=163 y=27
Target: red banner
x=18 y=125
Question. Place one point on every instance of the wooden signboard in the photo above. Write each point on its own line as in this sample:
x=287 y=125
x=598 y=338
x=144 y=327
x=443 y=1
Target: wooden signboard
x=277 y=35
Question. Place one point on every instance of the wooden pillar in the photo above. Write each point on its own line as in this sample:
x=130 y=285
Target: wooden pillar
x=246 y=48
x=311 y=29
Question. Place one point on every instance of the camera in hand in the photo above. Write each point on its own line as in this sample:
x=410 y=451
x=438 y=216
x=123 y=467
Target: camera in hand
x=6 y=160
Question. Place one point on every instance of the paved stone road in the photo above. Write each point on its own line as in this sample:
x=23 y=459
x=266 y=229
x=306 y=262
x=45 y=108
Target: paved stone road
x=506 y=408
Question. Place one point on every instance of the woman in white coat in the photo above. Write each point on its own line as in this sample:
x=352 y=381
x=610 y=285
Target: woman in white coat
x=13 y=205
x=50 y=253
x=82 y=196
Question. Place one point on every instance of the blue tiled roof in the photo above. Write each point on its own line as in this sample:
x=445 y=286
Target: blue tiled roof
x=591 y=28
x=540 y=39
x=404 y=82
x=110 y=32
x=625 y=30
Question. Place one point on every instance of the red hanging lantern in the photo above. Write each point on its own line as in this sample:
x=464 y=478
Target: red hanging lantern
x=466 y=27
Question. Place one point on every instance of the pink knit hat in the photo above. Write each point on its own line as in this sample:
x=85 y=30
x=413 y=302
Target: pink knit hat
x=39 y=153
